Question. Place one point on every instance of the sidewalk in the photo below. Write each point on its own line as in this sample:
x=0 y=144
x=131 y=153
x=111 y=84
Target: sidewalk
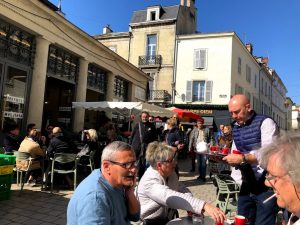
x=34 y=206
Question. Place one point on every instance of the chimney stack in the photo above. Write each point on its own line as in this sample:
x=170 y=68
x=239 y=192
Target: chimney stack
x=265 y=61
x=107 y=30
x=249 y=47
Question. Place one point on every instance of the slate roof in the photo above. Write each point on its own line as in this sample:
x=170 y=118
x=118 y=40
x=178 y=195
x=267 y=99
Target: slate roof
x=167 y=13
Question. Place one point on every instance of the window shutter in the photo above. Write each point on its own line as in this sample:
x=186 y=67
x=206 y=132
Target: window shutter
x=196 y=59
x=202 y=59
x=208 y=91
x=188 y=93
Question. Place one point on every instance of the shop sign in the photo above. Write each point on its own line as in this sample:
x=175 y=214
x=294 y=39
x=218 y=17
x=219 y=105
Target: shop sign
x=10 y=114
x=202 y=111
x=13 y=99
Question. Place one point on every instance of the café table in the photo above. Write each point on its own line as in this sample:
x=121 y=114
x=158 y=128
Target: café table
x=187 y=220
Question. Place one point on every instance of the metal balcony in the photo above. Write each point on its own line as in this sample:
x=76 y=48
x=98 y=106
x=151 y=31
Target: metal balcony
x=159 y=96
x=150 y=61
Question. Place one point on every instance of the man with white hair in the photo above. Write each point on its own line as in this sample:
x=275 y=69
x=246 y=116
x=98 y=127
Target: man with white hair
x=106 y=196
x=282 y=162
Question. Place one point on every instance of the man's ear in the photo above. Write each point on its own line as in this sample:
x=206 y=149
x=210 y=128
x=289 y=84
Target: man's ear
x=248 y=107
x=106 y=166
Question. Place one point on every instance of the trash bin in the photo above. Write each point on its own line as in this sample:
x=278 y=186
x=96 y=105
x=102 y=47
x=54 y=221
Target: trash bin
x=7 y=163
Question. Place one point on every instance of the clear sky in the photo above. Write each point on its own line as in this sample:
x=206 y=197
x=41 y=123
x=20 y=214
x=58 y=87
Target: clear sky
x=272 y=26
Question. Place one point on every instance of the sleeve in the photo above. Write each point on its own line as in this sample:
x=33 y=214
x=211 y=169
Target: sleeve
x=164 y=195
x=191 y=139
x=93 y=210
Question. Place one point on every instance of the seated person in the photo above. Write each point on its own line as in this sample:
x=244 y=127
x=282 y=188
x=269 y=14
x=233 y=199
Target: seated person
x=159 y=189
x=11 y=133
x=31 y=146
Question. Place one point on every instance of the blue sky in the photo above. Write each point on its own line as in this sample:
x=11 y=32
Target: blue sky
x=272 y=26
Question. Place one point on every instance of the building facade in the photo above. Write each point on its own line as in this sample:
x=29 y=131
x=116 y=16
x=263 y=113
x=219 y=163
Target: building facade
x=210 y=68
x=150 y=44
x=46 y=63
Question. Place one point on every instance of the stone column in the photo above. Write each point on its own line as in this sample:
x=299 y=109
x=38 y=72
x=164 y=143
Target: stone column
x=37 y=92
x=110 y=86
x=78 y=122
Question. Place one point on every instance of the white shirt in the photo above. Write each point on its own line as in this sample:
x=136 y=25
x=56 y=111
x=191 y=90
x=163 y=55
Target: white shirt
x=296 y=223
x=268 y=131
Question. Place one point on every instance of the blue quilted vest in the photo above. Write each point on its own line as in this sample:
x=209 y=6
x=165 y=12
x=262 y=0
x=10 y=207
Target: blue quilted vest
x=248 y=137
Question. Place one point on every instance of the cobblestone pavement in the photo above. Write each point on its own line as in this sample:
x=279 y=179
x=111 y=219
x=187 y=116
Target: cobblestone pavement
x=34 y=206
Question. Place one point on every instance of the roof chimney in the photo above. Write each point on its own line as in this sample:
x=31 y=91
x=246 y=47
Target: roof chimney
x=107 y=30
x=265 y=61
x=249 y=47
x=59 y=11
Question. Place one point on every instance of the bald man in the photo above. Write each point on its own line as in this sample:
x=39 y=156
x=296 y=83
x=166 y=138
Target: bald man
x=251 y=131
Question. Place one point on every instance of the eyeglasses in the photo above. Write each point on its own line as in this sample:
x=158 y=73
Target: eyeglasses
x=174 y=159
x=270 y=178
x=127 y=165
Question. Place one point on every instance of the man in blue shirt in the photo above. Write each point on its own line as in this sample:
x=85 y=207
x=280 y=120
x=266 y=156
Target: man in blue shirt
x=107 y=196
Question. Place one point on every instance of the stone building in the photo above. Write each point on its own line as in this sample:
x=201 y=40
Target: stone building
x=46 y=63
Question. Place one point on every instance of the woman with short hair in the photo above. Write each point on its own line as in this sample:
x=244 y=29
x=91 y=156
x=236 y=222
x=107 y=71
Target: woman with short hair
x=159 y=189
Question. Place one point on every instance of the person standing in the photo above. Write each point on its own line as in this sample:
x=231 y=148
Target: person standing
x=281 y=159
x=106 y=196
x=199 y=134
x=219 y=133
x=251 y=131
x=143 y=133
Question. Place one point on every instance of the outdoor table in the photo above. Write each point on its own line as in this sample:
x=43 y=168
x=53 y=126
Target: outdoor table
x=187 y=220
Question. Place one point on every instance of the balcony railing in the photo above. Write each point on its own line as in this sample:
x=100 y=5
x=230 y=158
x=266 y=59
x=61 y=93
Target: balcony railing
x=150 y=60
x=159 y=96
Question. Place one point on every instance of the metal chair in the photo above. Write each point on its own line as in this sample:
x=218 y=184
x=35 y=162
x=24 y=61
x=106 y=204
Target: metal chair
x=89 y=159
x=25 y=163
x=61 y=159
x=227 y=194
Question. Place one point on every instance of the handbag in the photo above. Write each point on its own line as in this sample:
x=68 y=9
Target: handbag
x=201 y=147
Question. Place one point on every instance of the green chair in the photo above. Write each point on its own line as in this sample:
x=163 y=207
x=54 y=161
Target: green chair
x=58 y=162
x=227 y=194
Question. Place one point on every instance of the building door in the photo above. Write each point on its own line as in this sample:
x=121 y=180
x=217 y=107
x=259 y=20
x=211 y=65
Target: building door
x=13 y=98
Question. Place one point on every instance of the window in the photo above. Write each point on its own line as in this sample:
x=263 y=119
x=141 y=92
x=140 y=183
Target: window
x=262 y=86
x=200 y=58
x=239 y=65
x=199 y=91
x=248 y=73
x=151 y=47
x=239 y=89
x=266 y=89
x=152 y=15
x=121 y=88
x=255 y=80
x=97 y=78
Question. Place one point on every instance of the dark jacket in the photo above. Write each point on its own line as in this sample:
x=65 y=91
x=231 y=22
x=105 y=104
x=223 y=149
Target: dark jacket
x=60 y=144
x=10 y=143
x=174 y=135
x=148 y=133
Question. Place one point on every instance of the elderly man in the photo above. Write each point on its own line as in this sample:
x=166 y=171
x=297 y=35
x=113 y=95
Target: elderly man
x=106 y=196
x=251 y=131
x=282 y=159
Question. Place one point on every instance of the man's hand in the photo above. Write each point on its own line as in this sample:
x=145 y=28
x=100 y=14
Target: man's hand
x=234 y=159
x=215 y=213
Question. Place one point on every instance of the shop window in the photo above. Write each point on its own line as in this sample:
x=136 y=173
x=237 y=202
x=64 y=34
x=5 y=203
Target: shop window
x=121 y=88
x=97 y=79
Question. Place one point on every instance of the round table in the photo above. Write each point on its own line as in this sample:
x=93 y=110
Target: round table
x=187 y=220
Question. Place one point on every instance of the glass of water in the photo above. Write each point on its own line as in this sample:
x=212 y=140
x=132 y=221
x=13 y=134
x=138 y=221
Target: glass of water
x=197 y=219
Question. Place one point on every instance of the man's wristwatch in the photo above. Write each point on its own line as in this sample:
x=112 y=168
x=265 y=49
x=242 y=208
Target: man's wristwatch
x=243 y=159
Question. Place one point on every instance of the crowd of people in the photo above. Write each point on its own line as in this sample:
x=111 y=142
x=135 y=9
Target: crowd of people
x=139 y=180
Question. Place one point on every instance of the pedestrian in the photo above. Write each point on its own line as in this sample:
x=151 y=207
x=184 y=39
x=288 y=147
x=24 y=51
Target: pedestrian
x=160 y=192
x=143 y=133
x=281 y=159
x=106 y=196
x=219 y=133
x=251 y=131
x=200 y=134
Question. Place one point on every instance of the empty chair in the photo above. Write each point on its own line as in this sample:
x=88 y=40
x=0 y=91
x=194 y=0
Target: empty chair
x=227 y=195
x=87 y=160
x=64 y=163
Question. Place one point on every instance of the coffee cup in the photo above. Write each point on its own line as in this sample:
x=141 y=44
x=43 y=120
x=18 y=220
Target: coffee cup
x=240 y=220
x=235 y=151
x=213 y=148
x=225 y=151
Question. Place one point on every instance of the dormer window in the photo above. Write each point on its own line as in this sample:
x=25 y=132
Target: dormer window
x=153 y=13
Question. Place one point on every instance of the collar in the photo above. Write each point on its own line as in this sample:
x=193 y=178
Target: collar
x=248 y=121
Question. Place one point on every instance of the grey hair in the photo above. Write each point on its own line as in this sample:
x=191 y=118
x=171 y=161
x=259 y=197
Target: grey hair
x=287 y=148
x=110 y=150
x=157 y=152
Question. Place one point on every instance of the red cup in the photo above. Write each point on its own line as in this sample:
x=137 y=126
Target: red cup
x=240 y=220
x=225 y=151
x=213 y=148
x=236 y=151
x=219 y=223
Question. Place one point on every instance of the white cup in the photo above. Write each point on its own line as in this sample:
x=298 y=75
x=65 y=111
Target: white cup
x=197 y=219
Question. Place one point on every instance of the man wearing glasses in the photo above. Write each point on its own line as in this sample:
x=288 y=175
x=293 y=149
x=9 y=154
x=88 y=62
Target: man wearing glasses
x=106 y=196
x=251 y=131
x=282 y=159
